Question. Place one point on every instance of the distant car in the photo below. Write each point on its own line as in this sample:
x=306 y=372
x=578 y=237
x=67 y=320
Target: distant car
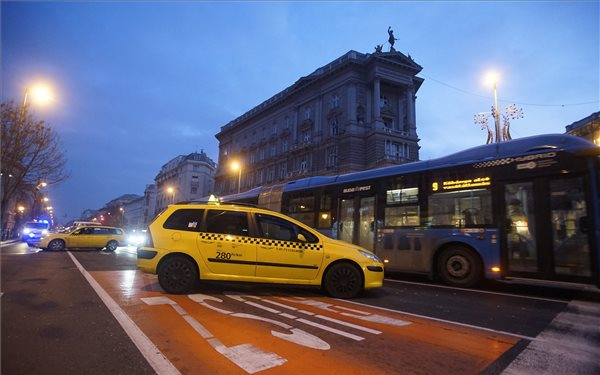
x=191 y=242
x=85 y=237
x=34 y=230
x=136 y=237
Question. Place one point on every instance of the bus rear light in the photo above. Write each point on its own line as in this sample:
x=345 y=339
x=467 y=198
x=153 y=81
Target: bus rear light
x=495 y=269
x=386 y=261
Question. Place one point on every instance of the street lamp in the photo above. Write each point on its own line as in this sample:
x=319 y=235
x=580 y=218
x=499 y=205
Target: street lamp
x=237 y=166
x=171 y=191
x=41 y=93
x=492 y=78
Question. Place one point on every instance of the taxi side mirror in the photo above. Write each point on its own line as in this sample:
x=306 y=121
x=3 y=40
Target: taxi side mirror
x=301 y=238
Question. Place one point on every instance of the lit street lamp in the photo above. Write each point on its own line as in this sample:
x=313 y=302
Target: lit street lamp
x=41 y=93
x=511 y=113
x=171 y=191
x=237 y=166
x=492 y=78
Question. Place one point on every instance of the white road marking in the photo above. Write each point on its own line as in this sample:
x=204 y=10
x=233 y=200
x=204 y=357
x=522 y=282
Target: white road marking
x=445 y=321
x=569 y=345
x=363 y=315
x=332 y=330
x=155 y=358
x=246 y=356
x=476 y=291
x=297 y=336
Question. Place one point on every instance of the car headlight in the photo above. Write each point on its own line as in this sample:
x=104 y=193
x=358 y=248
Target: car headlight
x=26 y=231
x=44 y=232
x=373 y=257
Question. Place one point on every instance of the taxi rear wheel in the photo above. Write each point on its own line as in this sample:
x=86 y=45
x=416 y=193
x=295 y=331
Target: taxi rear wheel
x=177 y=275
x=343 y=280
x=112 y=245
x=56 y=245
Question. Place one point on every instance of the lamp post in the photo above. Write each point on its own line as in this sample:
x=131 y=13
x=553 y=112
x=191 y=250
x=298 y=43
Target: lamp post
x=511 y=113
x=171 y=191
x=492 y=78
x=237 y=166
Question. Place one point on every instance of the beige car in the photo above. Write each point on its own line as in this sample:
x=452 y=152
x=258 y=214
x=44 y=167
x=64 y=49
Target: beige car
x=85 y=237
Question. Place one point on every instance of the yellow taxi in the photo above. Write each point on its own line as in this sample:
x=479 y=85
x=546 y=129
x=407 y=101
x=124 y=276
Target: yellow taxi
x=191 y=242
x=84 y=236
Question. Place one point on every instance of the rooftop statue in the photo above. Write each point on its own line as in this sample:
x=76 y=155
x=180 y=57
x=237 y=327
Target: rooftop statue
x=391 y=39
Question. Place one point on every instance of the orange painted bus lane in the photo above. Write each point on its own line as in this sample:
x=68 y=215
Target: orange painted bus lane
x=223 y=332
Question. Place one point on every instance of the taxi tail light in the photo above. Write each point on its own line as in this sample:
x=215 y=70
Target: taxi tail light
x=148 y=240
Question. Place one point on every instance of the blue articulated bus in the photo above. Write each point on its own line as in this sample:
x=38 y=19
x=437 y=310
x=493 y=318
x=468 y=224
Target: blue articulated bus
x=526 y=208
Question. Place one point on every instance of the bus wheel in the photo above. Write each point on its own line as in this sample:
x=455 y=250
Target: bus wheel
x=177 y=275
x=459 y=266
x=343 y=280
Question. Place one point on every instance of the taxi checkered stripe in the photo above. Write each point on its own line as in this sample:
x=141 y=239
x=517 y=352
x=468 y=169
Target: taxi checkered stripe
x=259 y=241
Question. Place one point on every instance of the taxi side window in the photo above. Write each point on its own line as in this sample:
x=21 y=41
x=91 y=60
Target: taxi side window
x=275 y=228
x=185 y=219
x=227 y=222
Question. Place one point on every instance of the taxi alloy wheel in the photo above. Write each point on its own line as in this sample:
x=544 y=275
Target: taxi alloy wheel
x=343 y=280
x=177 y=275
x=112 y=245
x=56 y=245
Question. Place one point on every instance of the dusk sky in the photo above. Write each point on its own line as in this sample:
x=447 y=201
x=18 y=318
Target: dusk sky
x=138 y=83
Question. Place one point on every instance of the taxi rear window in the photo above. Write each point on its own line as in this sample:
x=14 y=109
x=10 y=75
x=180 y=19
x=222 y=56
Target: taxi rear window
x=187 y=219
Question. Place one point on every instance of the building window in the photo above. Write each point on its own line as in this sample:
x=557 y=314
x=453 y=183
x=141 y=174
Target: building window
x=306 y=136
x=196 y=167
x=335 y=129
x=271 y=174
x=307 y=113
x=383 y=101
x=282 y=171
x=335 y=101
x=394 y=150
x=388 y=123
x=286 y=122
x=303 y=164
x=262 y=154
x=273 y=150
x=284 y=146
x=194 y=190
x=331 y=160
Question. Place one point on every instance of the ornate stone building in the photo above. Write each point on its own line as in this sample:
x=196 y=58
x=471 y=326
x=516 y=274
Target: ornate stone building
x=184 y=178
x=588 y=128
x=355 y=113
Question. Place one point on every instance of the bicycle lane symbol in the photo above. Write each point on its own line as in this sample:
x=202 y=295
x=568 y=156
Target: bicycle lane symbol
x=253 y=359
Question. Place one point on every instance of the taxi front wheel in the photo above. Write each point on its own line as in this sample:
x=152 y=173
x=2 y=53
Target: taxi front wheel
x=177 y=275
x=56 y=245
x=112 y=245
x=343 y=280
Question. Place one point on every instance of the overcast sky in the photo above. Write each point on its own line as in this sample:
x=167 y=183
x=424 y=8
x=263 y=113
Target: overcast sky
x=138 y=83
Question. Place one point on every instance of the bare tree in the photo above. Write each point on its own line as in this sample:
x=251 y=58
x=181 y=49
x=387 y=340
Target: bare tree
x=31 y=153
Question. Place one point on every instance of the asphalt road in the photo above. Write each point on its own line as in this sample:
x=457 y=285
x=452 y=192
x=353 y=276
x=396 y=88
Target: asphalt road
x=56 y=320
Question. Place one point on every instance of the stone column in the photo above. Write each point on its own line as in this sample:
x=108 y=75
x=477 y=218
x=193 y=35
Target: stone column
x=376 y=99
x=410 y=115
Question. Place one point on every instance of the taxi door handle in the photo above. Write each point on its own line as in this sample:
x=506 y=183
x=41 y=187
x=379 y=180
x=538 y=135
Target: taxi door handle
x=207 y=242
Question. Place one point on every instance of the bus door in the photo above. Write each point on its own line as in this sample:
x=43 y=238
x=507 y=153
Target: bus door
x=357 y=221
x=545 y=232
